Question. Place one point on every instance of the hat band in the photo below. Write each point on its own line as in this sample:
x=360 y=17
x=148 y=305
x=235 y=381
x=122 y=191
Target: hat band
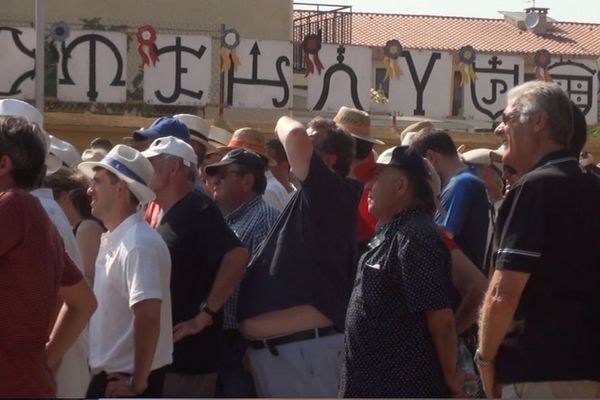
x=261 y=149
x=122 y=168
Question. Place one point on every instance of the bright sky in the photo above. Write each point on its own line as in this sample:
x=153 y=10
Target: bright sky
x=560 y=10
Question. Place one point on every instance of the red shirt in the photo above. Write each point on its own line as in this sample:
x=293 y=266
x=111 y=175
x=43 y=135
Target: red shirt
x=33 y=264
x=365 y=224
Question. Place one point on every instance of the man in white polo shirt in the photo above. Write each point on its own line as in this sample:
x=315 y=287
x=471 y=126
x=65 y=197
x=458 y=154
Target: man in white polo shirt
x=130 y=334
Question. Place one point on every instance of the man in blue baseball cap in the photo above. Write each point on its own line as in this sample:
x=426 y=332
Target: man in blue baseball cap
x=161 y=127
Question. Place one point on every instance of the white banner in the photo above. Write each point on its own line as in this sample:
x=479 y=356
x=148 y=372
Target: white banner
x=92 y=67
x=485 y=99
x=17 y=63
x=182 y=73
x=424 y=88
x=263 y=78
x=344 y=81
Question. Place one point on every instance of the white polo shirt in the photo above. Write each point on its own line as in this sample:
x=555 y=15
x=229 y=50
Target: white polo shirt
x=133 y=265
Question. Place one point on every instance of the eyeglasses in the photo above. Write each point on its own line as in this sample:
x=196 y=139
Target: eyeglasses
x=506 y=118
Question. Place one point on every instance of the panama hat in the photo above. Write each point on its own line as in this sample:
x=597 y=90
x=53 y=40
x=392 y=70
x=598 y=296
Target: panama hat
x=130 y=166
x=218 y=136
x=199 y=129
x=357 y=123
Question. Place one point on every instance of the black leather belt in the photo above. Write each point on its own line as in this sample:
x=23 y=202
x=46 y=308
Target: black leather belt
x=272 y=344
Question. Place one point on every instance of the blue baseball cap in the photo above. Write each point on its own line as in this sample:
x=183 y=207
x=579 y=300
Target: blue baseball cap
x=162 y=127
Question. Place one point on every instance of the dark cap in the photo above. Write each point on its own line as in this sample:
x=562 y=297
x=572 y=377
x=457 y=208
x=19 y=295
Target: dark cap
x=241 y=156
x=162 y=127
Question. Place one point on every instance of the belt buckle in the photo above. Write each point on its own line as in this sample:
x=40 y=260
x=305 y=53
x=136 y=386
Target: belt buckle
x=272 y=348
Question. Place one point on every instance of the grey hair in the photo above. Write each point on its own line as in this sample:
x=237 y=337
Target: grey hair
x=537 y=96
x=191 y=171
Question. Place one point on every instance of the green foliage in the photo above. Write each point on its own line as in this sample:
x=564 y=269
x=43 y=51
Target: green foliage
x=594 y=131
x=93 y=24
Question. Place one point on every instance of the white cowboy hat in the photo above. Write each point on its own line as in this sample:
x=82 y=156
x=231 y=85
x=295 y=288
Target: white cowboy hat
x=130 y=166
x=65 y=151
x=93 y=154
x=19 y=108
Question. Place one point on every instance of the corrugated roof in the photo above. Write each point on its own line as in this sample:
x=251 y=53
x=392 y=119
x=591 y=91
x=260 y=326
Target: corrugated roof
x=485 y=35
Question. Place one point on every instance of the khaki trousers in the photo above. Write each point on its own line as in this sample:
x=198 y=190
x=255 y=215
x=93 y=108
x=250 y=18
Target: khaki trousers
x=548 y=390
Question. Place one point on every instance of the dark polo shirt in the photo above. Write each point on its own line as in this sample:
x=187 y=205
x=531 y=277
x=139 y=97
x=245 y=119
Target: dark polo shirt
x=549 y=227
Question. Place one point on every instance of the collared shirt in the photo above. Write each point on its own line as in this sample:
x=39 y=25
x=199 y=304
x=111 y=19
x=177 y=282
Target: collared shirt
x=61 y=222
x=250 y=222
x=275 y=193
x=549 y=227
x=388 y=347
x=133 y=265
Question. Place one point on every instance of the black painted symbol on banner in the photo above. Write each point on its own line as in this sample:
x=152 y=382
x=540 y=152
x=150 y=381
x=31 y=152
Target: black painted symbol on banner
x=339 y=67
x=93 y=40
x=281 y=82
x=178 y=49
x=420 y=85
x=30 y=74
x=579 y=87
x=499 y=86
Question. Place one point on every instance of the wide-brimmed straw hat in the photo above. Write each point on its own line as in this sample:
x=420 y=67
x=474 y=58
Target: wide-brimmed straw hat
x=357 y=123
x=130 y=166
x=408 y=134
x=251 y=139
x=199 y=129
x=219 y=137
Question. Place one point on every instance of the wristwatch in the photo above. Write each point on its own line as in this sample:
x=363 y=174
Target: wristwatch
x=482 y=361
x=204 y=307
x=131 y=384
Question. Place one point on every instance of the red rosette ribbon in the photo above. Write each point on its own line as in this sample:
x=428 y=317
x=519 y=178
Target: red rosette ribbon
x=146 y=36
x=311 y=45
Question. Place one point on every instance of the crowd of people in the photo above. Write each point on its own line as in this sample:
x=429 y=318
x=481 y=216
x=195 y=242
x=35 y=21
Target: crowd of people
x=228 y=265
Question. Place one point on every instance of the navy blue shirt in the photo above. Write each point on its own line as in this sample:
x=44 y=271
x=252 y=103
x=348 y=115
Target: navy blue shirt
x=309 y=257
x=467 y=215
x=388 y=347
x=198 y=238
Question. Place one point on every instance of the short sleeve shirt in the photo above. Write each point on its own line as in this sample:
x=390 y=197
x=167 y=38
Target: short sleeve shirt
x=309 y=257
x=198 y=238
x=33 y=264
x=133 y=265
x=388 y=348
x=549 y=228
x=467 y=214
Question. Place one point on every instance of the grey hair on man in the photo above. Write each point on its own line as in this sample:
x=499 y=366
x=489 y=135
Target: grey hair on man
x=536 y=96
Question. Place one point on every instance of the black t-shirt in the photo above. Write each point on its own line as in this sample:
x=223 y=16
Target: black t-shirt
x=549 y=227
x=198 y=238
x=309 y=256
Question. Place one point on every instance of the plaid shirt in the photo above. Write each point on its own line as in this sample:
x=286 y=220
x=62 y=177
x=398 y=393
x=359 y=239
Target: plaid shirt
x=250 y=222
